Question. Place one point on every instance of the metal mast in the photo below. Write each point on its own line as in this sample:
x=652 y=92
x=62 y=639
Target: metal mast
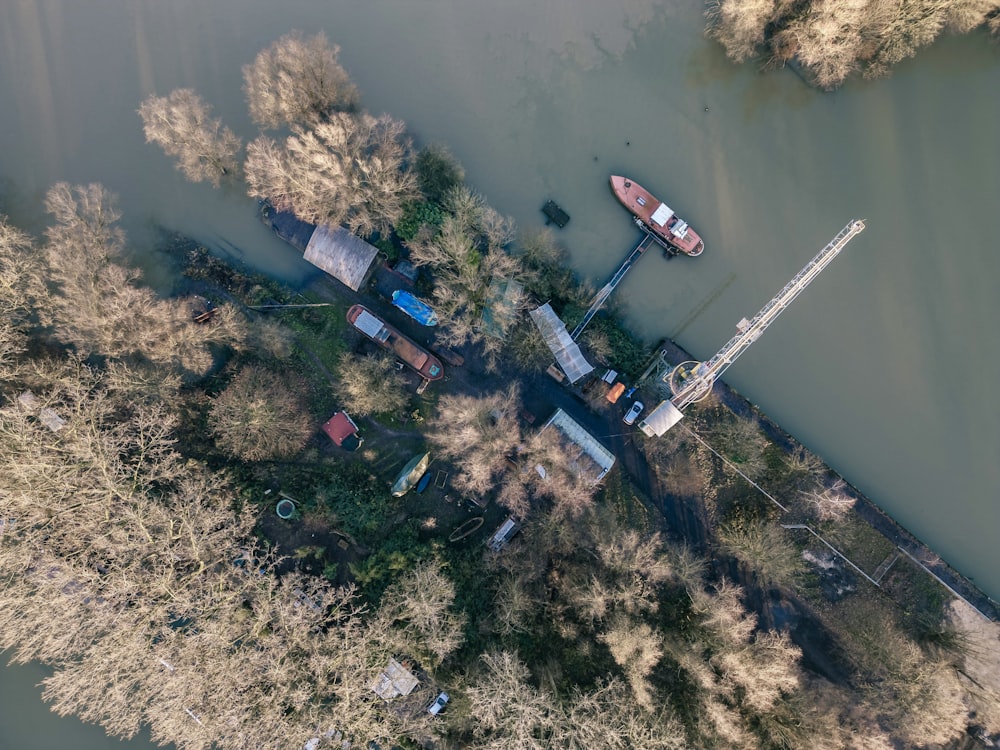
x=692 y=381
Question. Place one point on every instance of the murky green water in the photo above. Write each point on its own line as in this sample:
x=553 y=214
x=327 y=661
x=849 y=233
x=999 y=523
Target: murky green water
x=885 y=366
x=26 y=723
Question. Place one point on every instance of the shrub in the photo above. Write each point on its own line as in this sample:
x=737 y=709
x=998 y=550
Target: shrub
x=438 y=172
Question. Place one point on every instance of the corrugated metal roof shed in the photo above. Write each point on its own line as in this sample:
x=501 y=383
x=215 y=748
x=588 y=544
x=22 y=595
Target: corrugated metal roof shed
x=576 y=434
x=503 y=535
x=557 y=338
x=395 y=680
x=343 y=255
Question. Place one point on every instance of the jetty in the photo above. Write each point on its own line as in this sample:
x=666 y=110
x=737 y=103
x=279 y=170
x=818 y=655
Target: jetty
x=605 y=291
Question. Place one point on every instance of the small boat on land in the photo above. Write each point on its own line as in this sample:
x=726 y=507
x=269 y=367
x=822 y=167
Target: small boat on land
x=411 y=474
x=383 y=334
x=466 y=528
x=657 y=217
x=415 y=307
x=422 y=484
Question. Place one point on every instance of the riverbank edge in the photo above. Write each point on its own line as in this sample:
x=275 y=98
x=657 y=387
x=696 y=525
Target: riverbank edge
x=903 y=540
x=906 y=542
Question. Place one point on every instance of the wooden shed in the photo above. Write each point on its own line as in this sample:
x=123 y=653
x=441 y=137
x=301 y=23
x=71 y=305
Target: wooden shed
x=342 y=254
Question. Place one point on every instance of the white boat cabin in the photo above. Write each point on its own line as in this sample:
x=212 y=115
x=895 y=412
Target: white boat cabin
x=661 y=215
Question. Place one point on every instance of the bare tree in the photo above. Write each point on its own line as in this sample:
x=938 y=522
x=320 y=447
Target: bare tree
x=625 y=584
x=94 y=303
x=297 y=80
x=831 y=504
x=739 y=25
x=636 y=648
x=480 y=434
x=763 y=547
x=514 y=604
x=349 y=169
x=568 y=475
x=18 y=261
x=510 y=713
x=271 y=337
x=86 y=215
x=182 y=125
x=627 y=552
x=606 y=717
x=740 y=440
x=916 y=697
x=127 y=570
x=371 y=384
x=833 y=39
x=761 y=671
x=421 y=604
x=508 y=710
x=261 y=415
x=742 y=674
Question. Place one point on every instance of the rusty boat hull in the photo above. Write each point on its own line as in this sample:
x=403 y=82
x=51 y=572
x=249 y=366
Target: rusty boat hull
x=657 y=217
x=410 y=353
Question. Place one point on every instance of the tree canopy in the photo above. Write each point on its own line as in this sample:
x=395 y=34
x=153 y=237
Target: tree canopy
x=349 y=169
x=832 y=39
x=297 y=80
x=182 y=125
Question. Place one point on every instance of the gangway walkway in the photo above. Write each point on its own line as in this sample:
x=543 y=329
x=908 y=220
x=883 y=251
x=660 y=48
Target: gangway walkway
x=605 y=291
x=692 y=381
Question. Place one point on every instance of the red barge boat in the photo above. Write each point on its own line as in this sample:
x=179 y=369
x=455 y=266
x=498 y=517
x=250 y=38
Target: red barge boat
x=657 y=217
x=413 y=356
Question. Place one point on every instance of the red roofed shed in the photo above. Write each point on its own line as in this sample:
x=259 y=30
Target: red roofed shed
x=342 y=431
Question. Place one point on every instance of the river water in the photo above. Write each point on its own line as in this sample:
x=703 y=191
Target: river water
x=885 y=366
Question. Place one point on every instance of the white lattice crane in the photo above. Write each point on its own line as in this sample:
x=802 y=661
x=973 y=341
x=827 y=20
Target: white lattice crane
x=692 y=381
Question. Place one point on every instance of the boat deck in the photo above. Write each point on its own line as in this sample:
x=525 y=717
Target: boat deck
x=410 y=353
x=656 y=216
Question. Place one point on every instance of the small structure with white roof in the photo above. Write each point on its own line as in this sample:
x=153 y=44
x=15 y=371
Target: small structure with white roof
x=503 y=535
x=560 y=343
x=661 y=215
x=393 y=681
x=600 y=458
x=661 y=419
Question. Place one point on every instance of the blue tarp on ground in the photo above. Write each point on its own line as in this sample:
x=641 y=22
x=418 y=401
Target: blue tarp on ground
x=416 y=308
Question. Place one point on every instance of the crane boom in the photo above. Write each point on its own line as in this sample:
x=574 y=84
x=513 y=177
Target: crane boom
x=690 y=385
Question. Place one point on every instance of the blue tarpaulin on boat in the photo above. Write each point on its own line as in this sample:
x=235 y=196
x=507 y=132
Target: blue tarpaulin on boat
x=417 y=309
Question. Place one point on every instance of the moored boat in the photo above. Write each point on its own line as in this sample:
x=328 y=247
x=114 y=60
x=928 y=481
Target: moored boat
x=657 y=217
x=383 y=334
x=415 y=307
